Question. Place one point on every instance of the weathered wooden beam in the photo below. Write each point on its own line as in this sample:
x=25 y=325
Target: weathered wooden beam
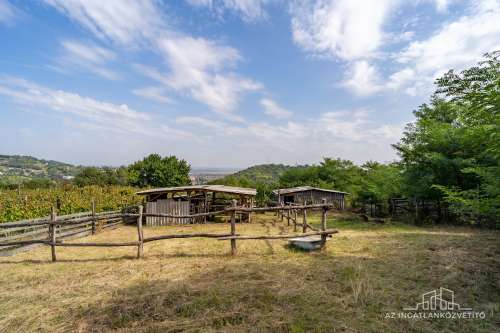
x=323 y=222
x=233 y=230
x=304 y=220
x=93 y=217
x=179 y=216
x=326 y=232
x=96 y=244
x=24 y=224
x=195 y=235
x=25 y=242
x=52 y=234
x=140 y=243
x=279 y=208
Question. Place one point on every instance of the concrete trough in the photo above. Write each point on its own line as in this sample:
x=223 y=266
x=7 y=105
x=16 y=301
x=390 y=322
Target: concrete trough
x=309 y=243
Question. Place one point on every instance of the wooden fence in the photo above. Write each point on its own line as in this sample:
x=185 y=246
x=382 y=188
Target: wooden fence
x=55 y=227
x=23 y=235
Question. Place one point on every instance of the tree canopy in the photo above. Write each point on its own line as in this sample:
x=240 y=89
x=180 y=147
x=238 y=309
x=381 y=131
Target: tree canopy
x=452 y=151
x=155 y=170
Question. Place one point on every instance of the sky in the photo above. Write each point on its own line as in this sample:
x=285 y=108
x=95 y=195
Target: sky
x=227 y=83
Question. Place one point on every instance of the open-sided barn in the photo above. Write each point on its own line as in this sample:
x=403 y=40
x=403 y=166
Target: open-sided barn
x=310 y=195
x=194 y=199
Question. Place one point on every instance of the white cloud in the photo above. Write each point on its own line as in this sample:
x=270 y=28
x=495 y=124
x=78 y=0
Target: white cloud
x=87 y=56
x=90 y=112
x=211 y=127
x=7 y=12
x=250 y=10
x=456 y=45
x=156 y=94
x=91 y=53
x=339 y=133
x=442 y=5
x=121 y=21
x=345 y=29
x=357 y=126
x=362 y=78
x=271 y=108
x=200 y=68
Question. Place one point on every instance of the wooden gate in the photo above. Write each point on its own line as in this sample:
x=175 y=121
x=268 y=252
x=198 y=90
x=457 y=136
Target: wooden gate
x=167 y=206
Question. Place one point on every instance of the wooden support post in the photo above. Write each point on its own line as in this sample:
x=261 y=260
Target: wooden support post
x=93 y=217
x=282 y=212
x=140 y=234
x=323 y=221
x=279 y=203
x=205 y=206
x=304 y=220
x=251 y=204
x=288 y=216
x=233 y=229
x=295 y=220
x=52 y=233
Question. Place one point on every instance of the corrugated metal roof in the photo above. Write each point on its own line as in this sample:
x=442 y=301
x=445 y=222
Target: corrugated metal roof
x=304 y=189
x=205 y=188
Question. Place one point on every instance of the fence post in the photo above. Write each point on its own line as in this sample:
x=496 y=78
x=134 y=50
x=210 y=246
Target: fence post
x=233 y=229
x=93 y=217
x=295 y=220
x=52 y=233
x=140 y=245
x=282 y=211
x=288 y=215
x=304 y=220
x=323 y=221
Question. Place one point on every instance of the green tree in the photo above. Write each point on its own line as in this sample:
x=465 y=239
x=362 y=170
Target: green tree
x=452 y=151
x=379 y=183
x=101 y=176
x=155 y=170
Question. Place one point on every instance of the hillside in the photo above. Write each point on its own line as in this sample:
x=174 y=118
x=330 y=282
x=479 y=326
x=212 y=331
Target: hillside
x=264 y=173
x=18 y=168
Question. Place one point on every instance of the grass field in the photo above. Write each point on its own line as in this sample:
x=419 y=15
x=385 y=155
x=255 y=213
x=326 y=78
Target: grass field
x=193 y=285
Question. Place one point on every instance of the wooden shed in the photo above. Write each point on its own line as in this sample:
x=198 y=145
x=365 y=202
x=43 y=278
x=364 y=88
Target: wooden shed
x=188 y=200
x=310 y=195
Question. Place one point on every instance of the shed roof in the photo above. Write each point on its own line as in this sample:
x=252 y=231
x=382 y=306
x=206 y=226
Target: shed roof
x=202 y=188
x=304 y=189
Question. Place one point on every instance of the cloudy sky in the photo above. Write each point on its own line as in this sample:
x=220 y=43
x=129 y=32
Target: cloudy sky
x=226 y=82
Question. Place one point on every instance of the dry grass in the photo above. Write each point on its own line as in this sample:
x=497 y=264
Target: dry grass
x=194 y=285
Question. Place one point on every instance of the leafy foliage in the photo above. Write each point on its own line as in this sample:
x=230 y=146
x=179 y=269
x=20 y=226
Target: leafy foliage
x=33 y=203
x=264 y=178
x=102 y=176
x=452 y=151
x=155 y=170
x=371 y=183
x=264 y=173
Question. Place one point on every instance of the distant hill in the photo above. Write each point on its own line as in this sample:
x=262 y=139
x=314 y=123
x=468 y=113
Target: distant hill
x=18 y=168
x=264 y=173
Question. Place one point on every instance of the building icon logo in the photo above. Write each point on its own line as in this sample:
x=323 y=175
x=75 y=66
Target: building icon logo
x=437 y=304
x=441 y=299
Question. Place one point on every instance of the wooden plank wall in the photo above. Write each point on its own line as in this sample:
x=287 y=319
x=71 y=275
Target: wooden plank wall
x=167 y=206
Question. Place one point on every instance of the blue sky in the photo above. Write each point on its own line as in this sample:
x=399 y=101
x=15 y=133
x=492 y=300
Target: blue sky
x=226 y=82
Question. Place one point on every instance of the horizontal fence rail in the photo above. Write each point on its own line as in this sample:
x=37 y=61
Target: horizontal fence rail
x=56 y=230
x=25 y=234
